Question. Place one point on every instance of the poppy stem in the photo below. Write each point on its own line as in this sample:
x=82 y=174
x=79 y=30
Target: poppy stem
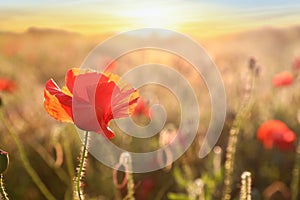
x=30 y=170
x=296 y=174
x=3 y=193
x=81 y=169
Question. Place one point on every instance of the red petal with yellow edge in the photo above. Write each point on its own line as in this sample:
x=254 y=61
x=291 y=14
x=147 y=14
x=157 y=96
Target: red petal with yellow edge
x=73 y=73
x=56 y=103
x=70 y=78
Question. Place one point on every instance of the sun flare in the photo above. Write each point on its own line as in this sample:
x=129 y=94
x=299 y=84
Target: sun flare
x=154 y=17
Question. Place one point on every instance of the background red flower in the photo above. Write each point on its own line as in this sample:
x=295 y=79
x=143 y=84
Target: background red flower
x=283 y=79
x=296 y=64
x=142 y=108
x=7 y=85
x=275 y=133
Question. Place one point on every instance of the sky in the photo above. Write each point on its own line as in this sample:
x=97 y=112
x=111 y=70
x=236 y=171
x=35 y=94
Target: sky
x=190 y=16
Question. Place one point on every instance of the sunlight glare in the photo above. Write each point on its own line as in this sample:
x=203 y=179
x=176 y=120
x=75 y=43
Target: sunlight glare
x=154 y=17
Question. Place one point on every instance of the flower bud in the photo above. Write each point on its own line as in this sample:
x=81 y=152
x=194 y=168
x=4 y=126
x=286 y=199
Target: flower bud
x=3 y=161
x=252 y=63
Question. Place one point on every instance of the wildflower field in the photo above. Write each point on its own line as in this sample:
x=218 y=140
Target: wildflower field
x=257 y=155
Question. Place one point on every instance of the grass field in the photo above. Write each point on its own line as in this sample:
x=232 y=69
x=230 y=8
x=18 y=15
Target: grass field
x=52 y=148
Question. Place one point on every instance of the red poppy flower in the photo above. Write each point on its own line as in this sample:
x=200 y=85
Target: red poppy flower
x=90 y=100
x=7 y=85
x=283 y=79
x=296 y=64
x=276 y=133
x=142 y=108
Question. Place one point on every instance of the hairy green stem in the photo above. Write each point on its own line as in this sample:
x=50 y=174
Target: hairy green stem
x=3 y=193
x=80 y=175
x=32 y=173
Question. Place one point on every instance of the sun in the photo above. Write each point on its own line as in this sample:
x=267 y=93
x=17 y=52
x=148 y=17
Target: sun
x=151 y=17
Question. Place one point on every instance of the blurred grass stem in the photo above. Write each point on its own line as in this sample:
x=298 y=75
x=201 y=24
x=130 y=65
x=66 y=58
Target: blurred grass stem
x=296 y=175
x=235 y=130
x=246 y=186
x=32 y=173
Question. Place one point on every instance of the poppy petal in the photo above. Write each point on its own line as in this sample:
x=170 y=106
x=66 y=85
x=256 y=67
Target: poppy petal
x=56 y=103
x=107 y=131
x=70 y=78
x=124 y=98
x=125 y=102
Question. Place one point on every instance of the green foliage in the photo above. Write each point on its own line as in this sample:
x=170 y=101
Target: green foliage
x=178 y=196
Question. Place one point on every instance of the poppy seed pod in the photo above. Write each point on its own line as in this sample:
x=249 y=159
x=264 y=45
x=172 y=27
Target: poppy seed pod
x=252 y=63
x=3 y=161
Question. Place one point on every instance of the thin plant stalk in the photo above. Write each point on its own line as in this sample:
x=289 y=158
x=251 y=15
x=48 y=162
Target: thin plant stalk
x=296 y=175
x=130 y=188
x=3 y=193
x=62 y=175
x=68 y=155
x=69 y=162
x=32 y=173
x=245 y=186
x=80 y=173
x=126 y=161
x=234 y=132
x=217 y=159
x=296 y=170
x=196 y=190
